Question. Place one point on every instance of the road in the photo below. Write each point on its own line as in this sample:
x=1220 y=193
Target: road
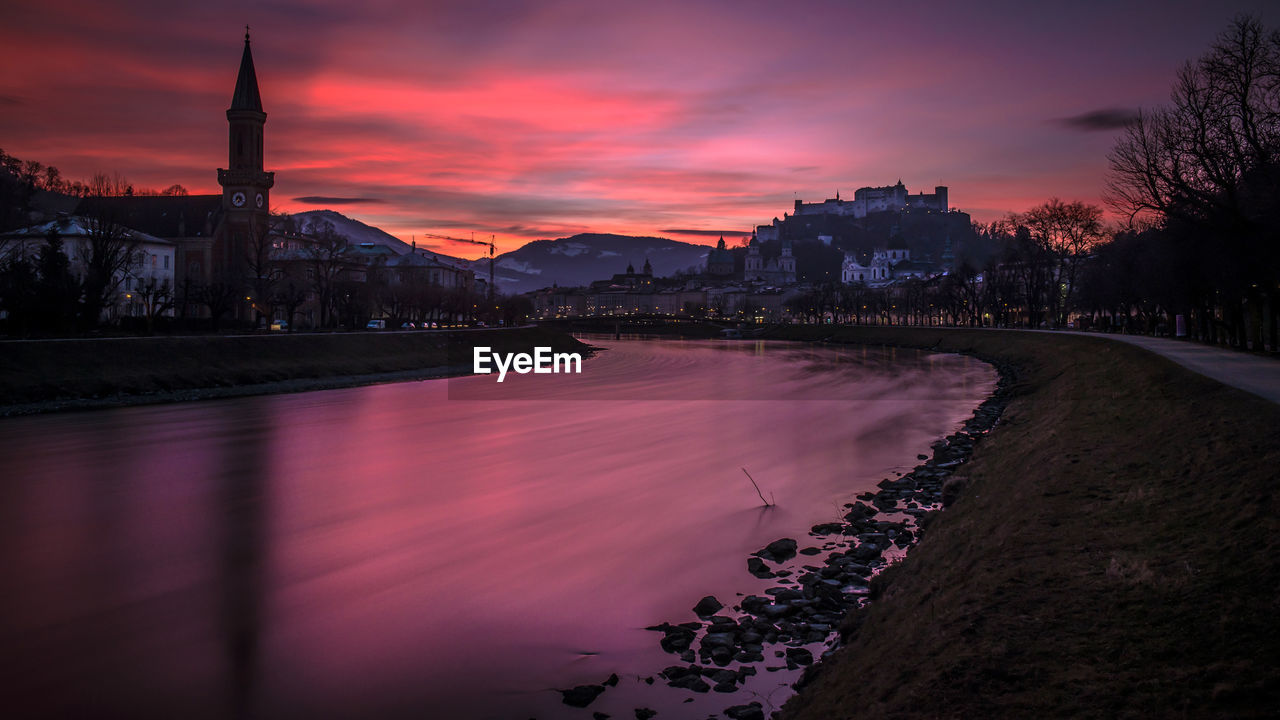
x=1252 y=373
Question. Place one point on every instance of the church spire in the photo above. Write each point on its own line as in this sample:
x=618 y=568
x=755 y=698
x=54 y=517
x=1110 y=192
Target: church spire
x=246 y=96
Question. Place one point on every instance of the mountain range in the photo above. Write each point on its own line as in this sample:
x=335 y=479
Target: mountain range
x=353 y=230
x=568 y=262
x=584 y=258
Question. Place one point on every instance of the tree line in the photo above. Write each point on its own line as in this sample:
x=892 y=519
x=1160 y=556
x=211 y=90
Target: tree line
x=35 y=175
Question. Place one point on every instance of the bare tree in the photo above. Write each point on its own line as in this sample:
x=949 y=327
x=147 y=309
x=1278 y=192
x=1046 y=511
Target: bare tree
x=1190 y=159
x=156 y=297
x=327 y=258
x=1208 y=166
x=220 y=297
x=1028 y=264
x=1066 y=233
x=290 y=295
x=108 y=254
x=261 y=265
x=104 y=185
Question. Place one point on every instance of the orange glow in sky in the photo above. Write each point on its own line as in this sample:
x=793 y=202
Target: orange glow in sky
x=528 y=120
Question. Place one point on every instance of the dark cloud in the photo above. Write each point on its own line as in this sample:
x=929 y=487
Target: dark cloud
x=325 y=200
x=1097 y=120
x=10 y=100
x=708 y=233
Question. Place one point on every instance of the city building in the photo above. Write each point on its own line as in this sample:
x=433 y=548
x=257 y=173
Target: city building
x=140 y=281
x=886 y=266
x=720 y=261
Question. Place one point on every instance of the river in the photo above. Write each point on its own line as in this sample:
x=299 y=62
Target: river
x=445 y=548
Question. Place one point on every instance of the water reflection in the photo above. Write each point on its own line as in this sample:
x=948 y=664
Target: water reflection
x=243 y=505
x=407 y=551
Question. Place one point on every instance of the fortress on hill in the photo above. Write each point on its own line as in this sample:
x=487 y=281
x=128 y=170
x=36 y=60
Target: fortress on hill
x=837 y=216
x=877 y=199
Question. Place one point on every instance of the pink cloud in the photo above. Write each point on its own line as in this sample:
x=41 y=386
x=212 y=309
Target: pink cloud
x=522 y=118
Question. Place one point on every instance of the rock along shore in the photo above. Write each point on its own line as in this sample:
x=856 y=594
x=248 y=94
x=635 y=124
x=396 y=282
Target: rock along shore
x=805 y=610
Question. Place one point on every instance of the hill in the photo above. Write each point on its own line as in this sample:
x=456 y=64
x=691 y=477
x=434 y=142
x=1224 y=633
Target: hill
x=353 y=230
x=580 y=259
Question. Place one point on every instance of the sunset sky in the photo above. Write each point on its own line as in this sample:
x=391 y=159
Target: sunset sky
x=541 y=119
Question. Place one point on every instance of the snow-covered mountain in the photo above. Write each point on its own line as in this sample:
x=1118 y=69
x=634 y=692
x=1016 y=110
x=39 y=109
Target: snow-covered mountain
x=568 y=262
x=581 y=259
x=357 y=232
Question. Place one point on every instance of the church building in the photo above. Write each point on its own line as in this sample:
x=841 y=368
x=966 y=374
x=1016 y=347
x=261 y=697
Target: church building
x=214 y=235
x=246 y=187
x=776 y=271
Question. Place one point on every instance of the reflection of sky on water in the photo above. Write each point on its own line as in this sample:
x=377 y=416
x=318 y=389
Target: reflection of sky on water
x=398 y=548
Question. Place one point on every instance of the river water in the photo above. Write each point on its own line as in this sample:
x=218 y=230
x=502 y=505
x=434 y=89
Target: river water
x=439 y=549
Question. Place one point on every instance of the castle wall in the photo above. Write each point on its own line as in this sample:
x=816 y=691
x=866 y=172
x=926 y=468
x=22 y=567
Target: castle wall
x=873 y=200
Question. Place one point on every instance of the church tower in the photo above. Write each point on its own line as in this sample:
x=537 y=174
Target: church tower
x=755 y=264
x=787 y=263
x=245 y=186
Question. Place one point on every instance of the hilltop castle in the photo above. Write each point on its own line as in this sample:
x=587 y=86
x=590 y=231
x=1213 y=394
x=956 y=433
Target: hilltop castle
x=877 y=199
x=867 y=201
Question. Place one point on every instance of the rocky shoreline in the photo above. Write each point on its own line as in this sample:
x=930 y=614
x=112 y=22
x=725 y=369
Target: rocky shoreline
x=810 y=603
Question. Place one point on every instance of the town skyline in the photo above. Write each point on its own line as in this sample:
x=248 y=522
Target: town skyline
x=557 y=119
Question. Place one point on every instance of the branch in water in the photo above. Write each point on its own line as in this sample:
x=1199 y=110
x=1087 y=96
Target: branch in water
x=757 y=487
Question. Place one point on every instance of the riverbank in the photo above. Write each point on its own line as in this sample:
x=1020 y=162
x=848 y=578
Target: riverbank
x=50 y=375
x=1114 y=553
x=783 y=628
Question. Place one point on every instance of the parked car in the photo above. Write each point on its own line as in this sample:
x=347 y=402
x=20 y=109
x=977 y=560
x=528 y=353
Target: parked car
x=376 y=325
x=280 y=325
x=408 y=326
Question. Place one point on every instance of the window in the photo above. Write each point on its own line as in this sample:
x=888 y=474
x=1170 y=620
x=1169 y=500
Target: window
x=166 y=262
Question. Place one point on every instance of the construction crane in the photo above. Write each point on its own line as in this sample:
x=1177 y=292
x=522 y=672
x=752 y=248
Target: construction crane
x=472 y=241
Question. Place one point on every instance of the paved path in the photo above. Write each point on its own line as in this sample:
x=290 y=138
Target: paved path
x=1251 y=373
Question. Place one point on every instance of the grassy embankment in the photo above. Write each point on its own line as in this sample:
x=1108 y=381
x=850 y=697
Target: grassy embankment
x=48 y=375
x=1116 y=553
